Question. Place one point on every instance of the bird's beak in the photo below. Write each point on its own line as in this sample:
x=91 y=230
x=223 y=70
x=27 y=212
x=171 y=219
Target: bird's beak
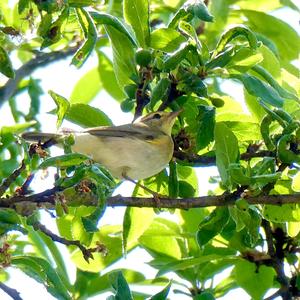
x=174 y=114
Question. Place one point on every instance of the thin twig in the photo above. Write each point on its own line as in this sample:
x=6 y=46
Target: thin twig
x=275 y=295
x=86 y=252
x=41 y=60
x=24 y=189
x=13 y=293
x=11 y=178
x=277 y=262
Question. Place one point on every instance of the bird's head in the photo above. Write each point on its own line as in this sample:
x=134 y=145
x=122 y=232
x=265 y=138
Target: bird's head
x=160 y=120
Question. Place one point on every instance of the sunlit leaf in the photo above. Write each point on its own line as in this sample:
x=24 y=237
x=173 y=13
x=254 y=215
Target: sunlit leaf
x=87 y=116
x=62 y=107
x=166 y=39
x=108 y=77
x=247 y=275
x=86 y=88
x=227 y=150
x=136 y=13
x=88 y=27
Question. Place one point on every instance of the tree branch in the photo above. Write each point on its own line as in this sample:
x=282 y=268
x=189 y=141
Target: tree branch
x=11 y=178
x=13 y=293
x=277 y=260
x=86 y=252
x=205 y=201
x=41 y=60
x=49 y=197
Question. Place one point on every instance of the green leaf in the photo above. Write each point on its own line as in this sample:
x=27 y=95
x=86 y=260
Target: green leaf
x=51 y=32
x=9 y=220
x=17 y=128
x=173 y=180
x=270 y=61
x=108 y=77
x=87 y=87
x=90 y=223
x=35 y=91
x=296 y=182
x=244 y=131
x=136 y=13
x=273 y=83
x=237 y=174
x=186 y=263
x=120 y=286
x=212 y=225
x=166 y=39
x=205 y=296
x=231 y=34
x=22 y=4
x=189 y=30
x=284 y=213
x=90 y=32
x=9 y=216
x=80 y=3
x=225 y=286
x=6 y=67
x=190 y=10
x=199 y=10
x=162 y=238
x=260 y=89
x=185 y=189
x=227 y=150
x=247 y=275
x=62 y=107
x=93 y=284
x=206 y=119
x=63 y=161
x=163 y=294
x=192 y=83
x=254 y=106
x=87 y=116
x=160 y=91
x=221 y=59
x=58 y=259
x=41 y=270
x=175 y=59
x=123 y=56
x=244 y=59
x=106 y=19
x=290 y=4
x=283 y=35
x=136 y=221
x=283 y=152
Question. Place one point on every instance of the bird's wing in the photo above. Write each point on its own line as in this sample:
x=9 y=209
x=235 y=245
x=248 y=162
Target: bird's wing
x=129 y=131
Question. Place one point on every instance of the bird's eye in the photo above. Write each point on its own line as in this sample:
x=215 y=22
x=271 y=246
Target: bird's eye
x=156 y=116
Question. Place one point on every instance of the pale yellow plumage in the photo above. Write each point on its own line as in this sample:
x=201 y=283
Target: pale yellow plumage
x=138 y=150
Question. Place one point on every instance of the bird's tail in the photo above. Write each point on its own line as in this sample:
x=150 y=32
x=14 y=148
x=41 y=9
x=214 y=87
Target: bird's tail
x=41 y=137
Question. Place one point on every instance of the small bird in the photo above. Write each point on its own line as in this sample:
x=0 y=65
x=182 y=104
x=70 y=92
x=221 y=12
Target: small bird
x=132 y=151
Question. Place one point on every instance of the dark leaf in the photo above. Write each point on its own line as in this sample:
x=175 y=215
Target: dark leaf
x=5 y=64
x=212 y=225
x=120 y=285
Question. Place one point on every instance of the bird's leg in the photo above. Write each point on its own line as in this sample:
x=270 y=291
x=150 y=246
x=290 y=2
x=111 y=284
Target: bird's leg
x=155 y=195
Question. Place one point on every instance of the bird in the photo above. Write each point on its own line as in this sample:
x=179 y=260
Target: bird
x=133 y=151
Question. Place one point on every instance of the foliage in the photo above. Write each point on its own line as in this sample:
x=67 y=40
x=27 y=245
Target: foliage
x=153 y=56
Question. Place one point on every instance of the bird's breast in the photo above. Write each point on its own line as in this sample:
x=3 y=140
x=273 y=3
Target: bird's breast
x=135 y=157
